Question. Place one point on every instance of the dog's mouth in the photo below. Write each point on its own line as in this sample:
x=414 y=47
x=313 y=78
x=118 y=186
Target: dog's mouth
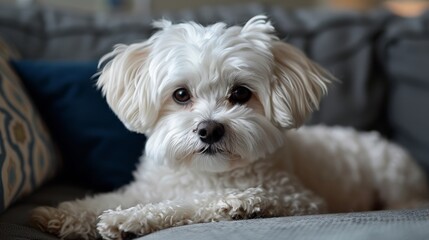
x=210 y=150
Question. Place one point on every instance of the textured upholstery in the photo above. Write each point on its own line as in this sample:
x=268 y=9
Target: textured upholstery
x=405 y=48
x=382 y=225
x=389 y=225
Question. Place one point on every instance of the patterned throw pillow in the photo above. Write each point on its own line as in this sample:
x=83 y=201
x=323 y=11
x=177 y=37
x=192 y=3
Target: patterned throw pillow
x=27 y=154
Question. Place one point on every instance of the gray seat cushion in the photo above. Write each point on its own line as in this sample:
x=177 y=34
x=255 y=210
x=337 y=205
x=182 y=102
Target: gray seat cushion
x=383 y=225
x=49 y=195
x=389 y=225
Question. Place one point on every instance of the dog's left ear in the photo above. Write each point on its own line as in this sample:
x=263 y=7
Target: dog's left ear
x=298 y=85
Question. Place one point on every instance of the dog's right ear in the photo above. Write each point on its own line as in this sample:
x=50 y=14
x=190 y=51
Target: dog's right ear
x=124 y=80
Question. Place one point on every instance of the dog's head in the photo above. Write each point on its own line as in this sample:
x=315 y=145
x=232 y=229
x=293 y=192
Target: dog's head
x=211 y=98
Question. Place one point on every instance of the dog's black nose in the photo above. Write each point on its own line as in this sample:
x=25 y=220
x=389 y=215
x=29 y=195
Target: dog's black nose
x=210 y=131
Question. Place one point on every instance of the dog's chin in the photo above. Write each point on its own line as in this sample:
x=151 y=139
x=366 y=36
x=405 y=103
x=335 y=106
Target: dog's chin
x=216 y=160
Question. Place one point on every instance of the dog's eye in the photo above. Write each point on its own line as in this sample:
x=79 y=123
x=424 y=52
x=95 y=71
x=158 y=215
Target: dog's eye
x=240 y=95
x=181 y=96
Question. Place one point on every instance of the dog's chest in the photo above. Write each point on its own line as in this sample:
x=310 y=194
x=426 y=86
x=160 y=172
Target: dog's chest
x=169 y=183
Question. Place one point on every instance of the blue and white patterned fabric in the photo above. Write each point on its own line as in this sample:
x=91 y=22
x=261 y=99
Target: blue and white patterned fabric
x=27 y=154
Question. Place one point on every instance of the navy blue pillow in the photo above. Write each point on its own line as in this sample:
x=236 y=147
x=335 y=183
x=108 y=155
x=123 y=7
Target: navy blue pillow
x=97 y=149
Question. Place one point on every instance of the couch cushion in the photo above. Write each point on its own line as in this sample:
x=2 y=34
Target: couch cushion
x=50 y=194
x=385 y=225
x=382 y=225
x=14 y=220
x=406 y=58
x=18 y=232
x=98 y=151
x=27 y=153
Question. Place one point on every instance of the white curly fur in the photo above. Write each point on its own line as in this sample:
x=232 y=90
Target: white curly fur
x=261 y=167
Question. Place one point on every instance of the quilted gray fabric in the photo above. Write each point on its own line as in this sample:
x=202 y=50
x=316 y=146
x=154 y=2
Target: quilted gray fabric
x=18 y=232
x=384 y=225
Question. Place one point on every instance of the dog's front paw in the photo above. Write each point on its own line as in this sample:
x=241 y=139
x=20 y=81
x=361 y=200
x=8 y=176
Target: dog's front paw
x=121 y=224
x=233 y=209
x=141 y=220
x=63 y=223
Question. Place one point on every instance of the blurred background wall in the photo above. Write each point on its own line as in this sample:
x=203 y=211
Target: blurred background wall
x=404 y=7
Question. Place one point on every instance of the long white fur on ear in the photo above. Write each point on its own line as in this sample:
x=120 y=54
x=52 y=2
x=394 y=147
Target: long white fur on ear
x=298 y=86
x=259 y=30
x=162 y=24
x=124 y=82
x=258 y=23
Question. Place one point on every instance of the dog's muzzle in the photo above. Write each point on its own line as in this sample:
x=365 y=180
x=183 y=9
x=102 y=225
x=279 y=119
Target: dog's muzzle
x=210 y=131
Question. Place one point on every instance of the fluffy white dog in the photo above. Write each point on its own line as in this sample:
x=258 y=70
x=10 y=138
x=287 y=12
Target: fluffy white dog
x=220 y=106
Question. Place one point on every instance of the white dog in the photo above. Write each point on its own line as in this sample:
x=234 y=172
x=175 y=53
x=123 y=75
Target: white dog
x=219 y=106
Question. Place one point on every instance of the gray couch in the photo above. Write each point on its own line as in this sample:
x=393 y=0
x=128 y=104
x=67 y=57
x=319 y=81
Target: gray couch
x=381 y=59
